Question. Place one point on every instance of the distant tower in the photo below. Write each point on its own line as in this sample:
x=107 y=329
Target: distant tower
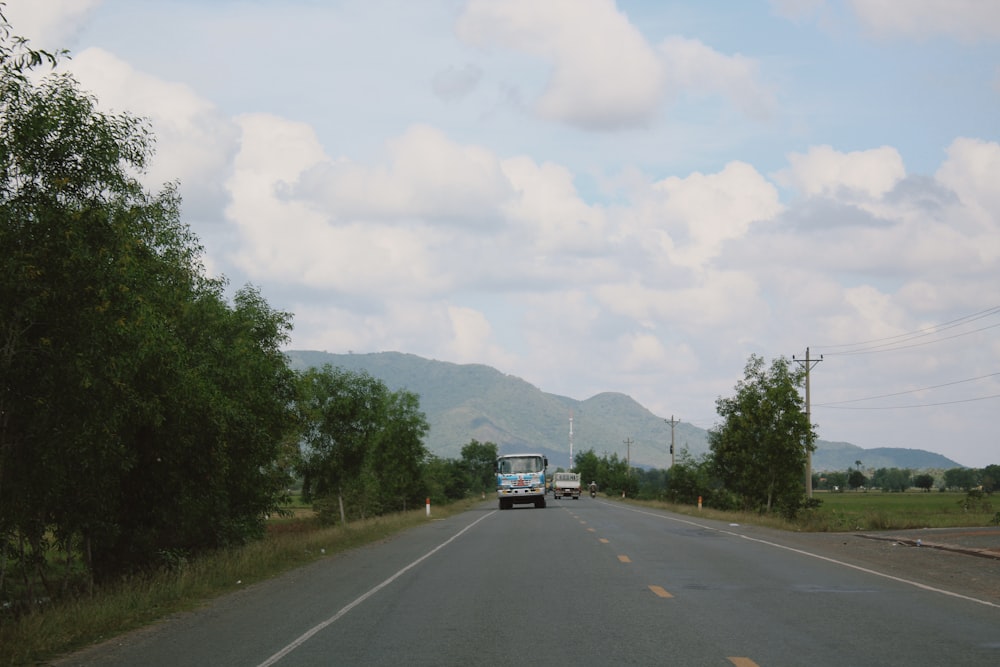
x=571 y=439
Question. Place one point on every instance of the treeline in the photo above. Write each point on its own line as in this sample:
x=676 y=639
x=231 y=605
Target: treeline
x=900 y=479
x=146 y=417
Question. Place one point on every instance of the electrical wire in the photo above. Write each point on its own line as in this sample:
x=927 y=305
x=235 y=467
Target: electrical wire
x=901 y=341
x=905 y=407
x=901 y=393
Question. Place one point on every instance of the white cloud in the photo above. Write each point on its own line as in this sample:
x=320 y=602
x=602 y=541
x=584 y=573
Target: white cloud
x=549 y=210
x=968 y=20
x=604 y=74
x=703 y=211
x=195 y=142
x=49 y=24
x=693 y=66
x=428 y=177
x=824 y=171
x=971 y=172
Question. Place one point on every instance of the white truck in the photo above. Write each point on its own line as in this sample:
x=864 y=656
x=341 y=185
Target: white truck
x=566 y=484
x=521 y=480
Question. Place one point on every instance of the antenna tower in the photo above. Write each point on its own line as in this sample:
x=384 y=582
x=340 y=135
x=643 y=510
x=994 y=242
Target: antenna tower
x=571 y=439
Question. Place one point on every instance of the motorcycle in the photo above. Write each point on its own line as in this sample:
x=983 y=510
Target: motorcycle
x=593 y=493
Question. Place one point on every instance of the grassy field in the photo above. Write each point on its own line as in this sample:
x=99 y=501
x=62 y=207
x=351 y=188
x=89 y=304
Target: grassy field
x=875 y=510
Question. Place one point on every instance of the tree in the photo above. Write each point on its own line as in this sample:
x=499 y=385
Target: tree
x=990 y=477
x=588 y=466
x=479 y=460
x=965 y=479
x=690 y=479
x=924 y=481
x=142 y=414
x=892 y=479
x=856 y=479
x=759 y=450
x=360 y=441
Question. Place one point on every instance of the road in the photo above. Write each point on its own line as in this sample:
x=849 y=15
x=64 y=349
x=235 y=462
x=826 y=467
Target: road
x=586 y=582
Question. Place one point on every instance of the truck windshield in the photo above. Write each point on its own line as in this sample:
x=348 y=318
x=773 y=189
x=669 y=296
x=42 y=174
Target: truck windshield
x=521 y=464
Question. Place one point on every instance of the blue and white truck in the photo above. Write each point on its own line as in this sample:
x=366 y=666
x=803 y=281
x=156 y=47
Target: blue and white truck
x=521 y=480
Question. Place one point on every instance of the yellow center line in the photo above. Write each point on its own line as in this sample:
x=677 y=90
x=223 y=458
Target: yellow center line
x=624 y=559
x=743 y=662
x=591 y=530
x=659 y=590
x=605 y=540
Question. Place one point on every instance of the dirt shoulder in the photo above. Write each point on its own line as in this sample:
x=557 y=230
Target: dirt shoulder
x=965 y=561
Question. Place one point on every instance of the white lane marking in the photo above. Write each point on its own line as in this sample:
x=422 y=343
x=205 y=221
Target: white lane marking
x=916 y=584
x=333 y=619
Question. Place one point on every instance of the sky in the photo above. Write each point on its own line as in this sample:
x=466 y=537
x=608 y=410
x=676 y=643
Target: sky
x=595 y=196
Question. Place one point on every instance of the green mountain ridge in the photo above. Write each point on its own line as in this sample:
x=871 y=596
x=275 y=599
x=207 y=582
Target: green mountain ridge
x=474 y=401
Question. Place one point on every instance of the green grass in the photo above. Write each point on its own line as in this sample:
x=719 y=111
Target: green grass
x=891 y=511
x=292 y=542
x=875 y=510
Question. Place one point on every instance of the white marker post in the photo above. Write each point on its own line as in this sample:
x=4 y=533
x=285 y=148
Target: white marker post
x=428 y=507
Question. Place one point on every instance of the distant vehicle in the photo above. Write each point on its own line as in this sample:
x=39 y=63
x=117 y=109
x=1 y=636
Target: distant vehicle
x=521 y=480
x=566 y=484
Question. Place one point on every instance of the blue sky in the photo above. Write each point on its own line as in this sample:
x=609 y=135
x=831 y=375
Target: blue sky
x=596 y=196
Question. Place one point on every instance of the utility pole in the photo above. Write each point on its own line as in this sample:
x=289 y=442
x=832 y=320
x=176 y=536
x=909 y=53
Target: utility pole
x=628 y=454
x=673 y=422
x=808 y=364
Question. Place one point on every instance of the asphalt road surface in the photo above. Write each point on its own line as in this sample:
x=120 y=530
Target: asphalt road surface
x=581 y=582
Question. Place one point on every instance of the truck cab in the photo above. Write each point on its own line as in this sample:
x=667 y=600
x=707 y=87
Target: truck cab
x=521 y=480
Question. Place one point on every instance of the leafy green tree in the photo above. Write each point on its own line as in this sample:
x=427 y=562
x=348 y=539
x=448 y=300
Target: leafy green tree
x=479 y=460
x=892 y=479
x=924 y=481
x=836 y=480
x=691 y=478
x=990 y=477
x=142 y=415
x=588 y=465
x=856 y=479
x=965 y=479
x=444 y=480
x=759 y=450
x=360 y=441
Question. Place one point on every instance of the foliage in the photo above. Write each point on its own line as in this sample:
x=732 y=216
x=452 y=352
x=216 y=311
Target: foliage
x=990 y=478
x=924 y=481
x=444 y=480
x=692 y=478
x=142 y=415
x=965 y=479
x=361 y=443
x=479 y=463
x=611 y=473
x=893 y=479
x=759 y=451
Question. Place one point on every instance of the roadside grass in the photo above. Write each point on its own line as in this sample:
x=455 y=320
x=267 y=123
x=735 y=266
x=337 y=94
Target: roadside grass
x=62 y=627
x=873 y=510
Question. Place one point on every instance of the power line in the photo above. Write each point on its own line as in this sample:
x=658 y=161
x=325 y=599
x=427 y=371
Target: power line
x=885 y=347
x=910 y=391
x=906 y=407
x=886 y=342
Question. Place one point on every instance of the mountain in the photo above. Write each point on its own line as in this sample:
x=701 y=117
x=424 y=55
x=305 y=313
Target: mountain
x=473 y=401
